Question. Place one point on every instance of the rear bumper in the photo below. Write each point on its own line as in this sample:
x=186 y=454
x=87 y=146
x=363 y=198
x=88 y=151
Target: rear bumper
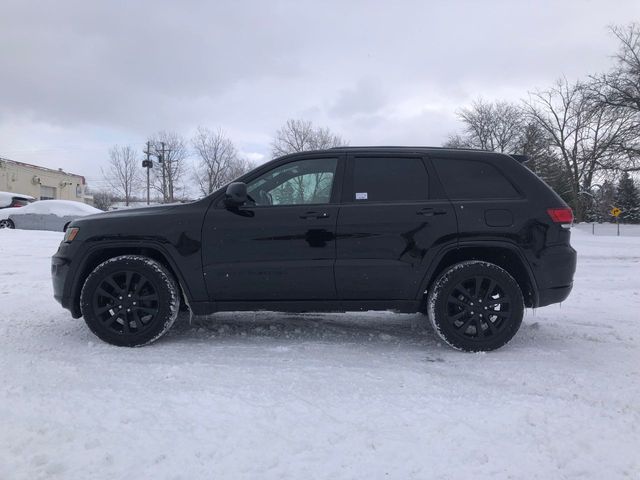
x=553 y=295
x=554 y=269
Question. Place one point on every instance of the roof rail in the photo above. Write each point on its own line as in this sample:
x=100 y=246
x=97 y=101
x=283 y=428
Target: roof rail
x=520 y=158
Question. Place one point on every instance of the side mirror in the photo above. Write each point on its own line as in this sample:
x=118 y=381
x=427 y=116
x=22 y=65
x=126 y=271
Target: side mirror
x=236 y=194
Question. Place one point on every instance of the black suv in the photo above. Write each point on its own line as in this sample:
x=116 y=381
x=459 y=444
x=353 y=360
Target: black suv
x=468 y=237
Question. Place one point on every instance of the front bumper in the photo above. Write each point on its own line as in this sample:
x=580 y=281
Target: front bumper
x=61 y=278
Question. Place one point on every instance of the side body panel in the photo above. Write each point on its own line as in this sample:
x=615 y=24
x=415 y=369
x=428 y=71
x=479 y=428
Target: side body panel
x=385 y=248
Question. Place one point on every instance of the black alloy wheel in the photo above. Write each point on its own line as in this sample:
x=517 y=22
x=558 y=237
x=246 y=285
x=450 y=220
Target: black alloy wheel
x=475 y=306
x=130 y=300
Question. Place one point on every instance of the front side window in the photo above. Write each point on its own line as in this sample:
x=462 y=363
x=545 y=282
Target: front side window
x=400 y=179
x=295 y=183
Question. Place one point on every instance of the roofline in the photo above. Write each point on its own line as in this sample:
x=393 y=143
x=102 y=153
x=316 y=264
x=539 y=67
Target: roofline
x=38 y=167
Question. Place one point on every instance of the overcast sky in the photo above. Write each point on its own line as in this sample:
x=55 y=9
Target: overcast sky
x=79 y=76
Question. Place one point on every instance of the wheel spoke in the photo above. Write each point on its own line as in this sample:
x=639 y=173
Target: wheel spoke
x=146 y=298
x=106 y=308
x=104 y=293
x=477 y=281
x=464 y=291
x=113 y=284
x=112 y=319
x=127 y=281
x=490 y=289
x=498 y=301
x=491 y=326
x=466 y=324
x=142 y=281
x=456 y=301
x=479 y=331
x=151 y=311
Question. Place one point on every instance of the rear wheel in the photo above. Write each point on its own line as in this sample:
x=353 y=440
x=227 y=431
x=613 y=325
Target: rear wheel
x=6 y=223
x=475 y=306
x=130 y=300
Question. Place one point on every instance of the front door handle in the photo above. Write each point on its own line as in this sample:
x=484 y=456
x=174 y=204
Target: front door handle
x=429 y=212
x=314 y=215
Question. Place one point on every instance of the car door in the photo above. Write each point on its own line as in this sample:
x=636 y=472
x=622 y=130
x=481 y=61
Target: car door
x=281 y=245
x=392 y=221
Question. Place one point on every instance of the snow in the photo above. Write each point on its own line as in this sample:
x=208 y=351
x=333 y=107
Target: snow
x=60 y=208
x=367 y=395
x=7 y=197
x=5 y=212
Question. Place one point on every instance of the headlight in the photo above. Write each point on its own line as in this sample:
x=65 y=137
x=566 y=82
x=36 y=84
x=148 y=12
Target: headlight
x=70 y=234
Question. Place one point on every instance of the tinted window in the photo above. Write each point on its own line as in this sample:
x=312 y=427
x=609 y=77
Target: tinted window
x=389 y=180
x=295 y=183
x=469 y=179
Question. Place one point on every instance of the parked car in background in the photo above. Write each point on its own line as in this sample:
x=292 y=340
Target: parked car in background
x=13 y=200
x=53 y=215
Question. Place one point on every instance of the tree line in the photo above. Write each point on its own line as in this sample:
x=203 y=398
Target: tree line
x=582 y=137
x=206 y=162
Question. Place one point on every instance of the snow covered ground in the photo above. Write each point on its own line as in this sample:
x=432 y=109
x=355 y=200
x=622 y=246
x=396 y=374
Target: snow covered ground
x=370 y=395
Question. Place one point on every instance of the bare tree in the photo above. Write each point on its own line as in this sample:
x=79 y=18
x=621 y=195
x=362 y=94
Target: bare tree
x=122 y=173
x=586 y=135
x=168 y=178
x=302 y=135
x=103 y=199
x=489 y=126
x=218 y=161
x=620 y=87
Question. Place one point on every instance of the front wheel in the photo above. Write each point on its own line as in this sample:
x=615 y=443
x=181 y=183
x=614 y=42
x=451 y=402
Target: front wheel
x=130 y=300
x=6 y=223
x=475 y=306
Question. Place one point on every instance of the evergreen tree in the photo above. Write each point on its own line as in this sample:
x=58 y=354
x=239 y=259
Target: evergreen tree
x=628 y=199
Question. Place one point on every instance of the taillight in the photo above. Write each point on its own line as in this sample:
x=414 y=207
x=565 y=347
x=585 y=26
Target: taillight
x=561 y=215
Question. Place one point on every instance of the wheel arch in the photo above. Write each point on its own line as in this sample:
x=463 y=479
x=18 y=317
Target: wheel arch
x=502 y=254
x=100 y=254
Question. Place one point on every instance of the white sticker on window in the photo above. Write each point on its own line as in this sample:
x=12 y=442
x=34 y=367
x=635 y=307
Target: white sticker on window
x=361 y=195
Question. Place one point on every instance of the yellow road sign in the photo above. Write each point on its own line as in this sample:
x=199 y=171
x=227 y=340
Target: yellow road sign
x=615 y=211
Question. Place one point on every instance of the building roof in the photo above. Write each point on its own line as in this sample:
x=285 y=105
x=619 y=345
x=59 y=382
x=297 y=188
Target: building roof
x=44 y=169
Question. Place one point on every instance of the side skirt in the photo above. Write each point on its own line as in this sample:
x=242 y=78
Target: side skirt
x=399 y=306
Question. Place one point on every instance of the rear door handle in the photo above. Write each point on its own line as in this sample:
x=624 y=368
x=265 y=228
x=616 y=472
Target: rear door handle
x=314 y=215
x=429 y=212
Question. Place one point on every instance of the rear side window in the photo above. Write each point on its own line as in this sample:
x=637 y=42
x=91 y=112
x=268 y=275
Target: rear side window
x=389 y=179
x=468 y=179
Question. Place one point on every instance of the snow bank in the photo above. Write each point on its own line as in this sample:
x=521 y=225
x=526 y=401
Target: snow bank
x=366 y=395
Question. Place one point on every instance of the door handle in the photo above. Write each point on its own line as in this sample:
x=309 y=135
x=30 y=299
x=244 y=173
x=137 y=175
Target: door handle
x=314 y=215
x=429 y=212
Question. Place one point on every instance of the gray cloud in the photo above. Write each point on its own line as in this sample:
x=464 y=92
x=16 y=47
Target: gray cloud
x=94 y=73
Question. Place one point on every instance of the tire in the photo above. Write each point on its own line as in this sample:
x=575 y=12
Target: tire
x=130 y=300
x=475 y=306
x=6 y=224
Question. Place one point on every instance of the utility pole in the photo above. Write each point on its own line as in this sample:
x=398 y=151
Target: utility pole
x=147 y=164
x=162 y=160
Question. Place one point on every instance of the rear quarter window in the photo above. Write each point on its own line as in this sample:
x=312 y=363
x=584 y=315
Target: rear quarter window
x=472 y=179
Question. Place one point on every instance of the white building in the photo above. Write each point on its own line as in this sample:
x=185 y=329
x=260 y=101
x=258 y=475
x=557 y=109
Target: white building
x=42 y=183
